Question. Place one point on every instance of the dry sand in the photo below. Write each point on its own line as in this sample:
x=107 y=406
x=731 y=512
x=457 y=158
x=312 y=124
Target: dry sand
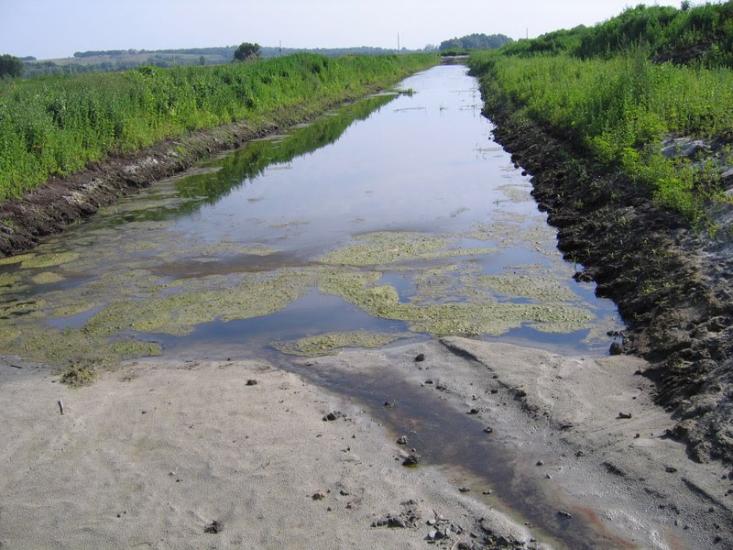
x=150 y=455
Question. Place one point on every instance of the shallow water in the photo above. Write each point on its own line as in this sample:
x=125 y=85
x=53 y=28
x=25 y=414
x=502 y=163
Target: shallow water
x=420 y=165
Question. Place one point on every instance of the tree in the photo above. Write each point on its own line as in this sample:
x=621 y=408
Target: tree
x=10 y=66
x=246 y=51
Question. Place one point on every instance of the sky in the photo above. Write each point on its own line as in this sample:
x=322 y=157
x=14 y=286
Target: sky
x=57 y=28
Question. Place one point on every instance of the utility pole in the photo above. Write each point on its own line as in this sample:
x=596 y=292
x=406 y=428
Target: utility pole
x=398 y=42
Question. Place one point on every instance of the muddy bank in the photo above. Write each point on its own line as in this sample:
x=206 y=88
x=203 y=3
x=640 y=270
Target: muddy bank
x=60 y=202
x=671 y=292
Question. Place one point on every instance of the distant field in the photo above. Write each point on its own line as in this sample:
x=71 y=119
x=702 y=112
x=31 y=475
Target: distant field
x=57 y=125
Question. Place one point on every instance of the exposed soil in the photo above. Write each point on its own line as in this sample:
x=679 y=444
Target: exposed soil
x=61 y=202
x=669 y=280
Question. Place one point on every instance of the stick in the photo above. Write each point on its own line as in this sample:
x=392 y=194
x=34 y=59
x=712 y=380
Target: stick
x=61 y=406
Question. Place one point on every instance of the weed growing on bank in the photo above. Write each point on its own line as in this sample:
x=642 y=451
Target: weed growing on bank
x=620 y=110
x=54 y=126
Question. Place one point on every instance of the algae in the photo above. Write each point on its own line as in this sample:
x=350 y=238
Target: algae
x=535 y=287
x=325 y=344
x=47 y=278
x=49 y=260
x=386 y=247
x=8 y=279
x=77 y=375
x=10 y=260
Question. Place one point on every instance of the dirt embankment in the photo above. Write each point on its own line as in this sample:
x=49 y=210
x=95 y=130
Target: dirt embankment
x=60 y=202
x=672 y=293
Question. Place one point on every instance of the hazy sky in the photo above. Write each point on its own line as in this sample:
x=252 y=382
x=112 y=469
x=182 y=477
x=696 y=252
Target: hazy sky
x=58 y=28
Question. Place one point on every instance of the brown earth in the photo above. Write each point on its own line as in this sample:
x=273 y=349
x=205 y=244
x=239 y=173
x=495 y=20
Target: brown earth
x=669 y=280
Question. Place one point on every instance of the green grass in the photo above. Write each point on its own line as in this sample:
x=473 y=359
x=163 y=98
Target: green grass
x=699 y=35
x=54 y=126
x=620 y=109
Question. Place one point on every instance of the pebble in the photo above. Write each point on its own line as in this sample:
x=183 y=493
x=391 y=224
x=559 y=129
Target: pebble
x=411 y=460
x=318 y=496
x=252 y=382
x=419 y=358
x=564 y=514
x=474 y=411
x=402 y=440
x=623 y=416
x=540 y=463
x=464 y=490
x=214 y=527
x=670 y=469
x=333 y=415
x=488 y=430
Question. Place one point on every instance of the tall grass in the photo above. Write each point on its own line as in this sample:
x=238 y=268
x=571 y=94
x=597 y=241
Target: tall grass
x=57 y=125
x=620 y=110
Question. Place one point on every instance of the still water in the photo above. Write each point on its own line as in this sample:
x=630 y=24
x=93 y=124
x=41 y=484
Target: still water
x=397 y=214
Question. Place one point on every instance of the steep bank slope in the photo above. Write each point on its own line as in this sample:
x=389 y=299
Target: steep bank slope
x=646 y=258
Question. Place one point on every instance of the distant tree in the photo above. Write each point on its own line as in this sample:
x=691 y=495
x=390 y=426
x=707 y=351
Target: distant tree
x=202 y=60
x=10 y=66
x=247 y=50
x=685 y=5
x=475 y=42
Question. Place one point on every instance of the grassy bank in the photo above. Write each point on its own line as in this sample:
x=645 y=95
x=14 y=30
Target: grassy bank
x=620 y=110
x=55 y=126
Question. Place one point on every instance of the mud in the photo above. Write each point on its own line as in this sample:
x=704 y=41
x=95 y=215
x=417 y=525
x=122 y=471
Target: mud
x=670 y=283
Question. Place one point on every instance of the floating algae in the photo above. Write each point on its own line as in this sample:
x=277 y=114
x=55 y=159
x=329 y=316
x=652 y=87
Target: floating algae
x=462 y=318
x=386 y=247
x=8 y=279
x=49 y=260
x=178 y=314
x=534 y=287
x=16 y=259
x=47 y=278
x=325 y=344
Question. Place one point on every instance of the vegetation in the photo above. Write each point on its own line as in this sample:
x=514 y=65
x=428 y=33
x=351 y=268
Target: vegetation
x=475 y=42
x=10 y=66
x=247 y=51
x=620 y=88
x=56 y=125
x=703 y=34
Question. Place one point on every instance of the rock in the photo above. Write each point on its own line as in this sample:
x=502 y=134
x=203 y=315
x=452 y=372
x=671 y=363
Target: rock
x=474 y=411
x=428 y=381
x=624 y=416
x=252 y=382
x=616 y=348
x=411 y=460
x=318 y=495
x=402 y=440
x=334 y=415
x=430 y=522
x=419 y=358
x=464 y=489
x=540 y=463
x=390 y=404
x=670 y=469
x=441 y=387
x=432 y=534
x=564 y=514
x=488 y=430
x=214 y=527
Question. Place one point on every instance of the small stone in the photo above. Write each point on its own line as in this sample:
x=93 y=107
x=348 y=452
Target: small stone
x=428 y=381
x=432 y=534
x=214 y=527
x=564 y=514
x=474 y=411
x=624 y=416
x=464 y=489
x=318 y=496
x=419 y=358
x=616 y=348
x=390 y=404
x=252 y=382
x=334 y=415
x=411 y=460
x=488 y=430
x=540 y=463
x=430 y=522
x=402 y=440
x=670 y=469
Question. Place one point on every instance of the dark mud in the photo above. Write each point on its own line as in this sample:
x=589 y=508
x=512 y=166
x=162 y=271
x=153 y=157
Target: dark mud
x=61 y=202
x=671 y=291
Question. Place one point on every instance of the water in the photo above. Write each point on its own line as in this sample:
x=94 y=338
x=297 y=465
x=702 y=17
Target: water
x=410 y=163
